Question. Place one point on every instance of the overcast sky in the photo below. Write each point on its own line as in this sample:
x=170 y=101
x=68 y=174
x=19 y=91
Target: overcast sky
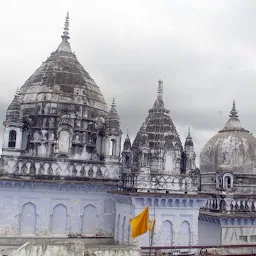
x=204 y=51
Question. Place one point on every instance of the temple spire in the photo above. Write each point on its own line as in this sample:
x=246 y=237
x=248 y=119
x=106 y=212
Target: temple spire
x=65 y=35
x=189 y=134
x=160 y=89
x=64 y=45
x=233 y=112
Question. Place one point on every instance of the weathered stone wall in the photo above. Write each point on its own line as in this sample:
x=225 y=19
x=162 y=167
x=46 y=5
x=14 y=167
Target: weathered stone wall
x=73 y=249
x=55 y=209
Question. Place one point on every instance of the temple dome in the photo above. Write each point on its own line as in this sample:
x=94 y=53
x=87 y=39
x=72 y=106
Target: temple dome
x=233 y=147
x=62 y=80
x=157 y=144
x=158 y=131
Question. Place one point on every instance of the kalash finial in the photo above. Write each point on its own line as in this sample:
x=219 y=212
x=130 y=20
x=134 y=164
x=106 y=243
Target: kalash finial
x=233 y=112
x=113 y=102
x=160 y=89
x=65 y=35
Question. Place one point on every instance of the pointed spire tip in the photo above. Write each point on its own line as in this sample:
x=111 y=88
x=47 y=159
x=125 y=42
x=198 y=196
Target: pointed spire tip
x=233 y=112
x=65 y=34
x=113 y=102
x=160 y=89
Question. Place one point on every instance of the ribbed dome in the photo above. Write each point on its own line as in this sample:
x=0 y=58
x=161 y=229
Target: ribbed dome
x=158 y=131
x=233 y=148
x=63 y=81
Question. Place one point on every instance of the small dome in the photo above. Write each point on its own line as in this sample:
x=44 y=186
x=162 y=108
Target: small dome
x=158 y=131
x=233 y=148
x=157 y=144
x=113 y=120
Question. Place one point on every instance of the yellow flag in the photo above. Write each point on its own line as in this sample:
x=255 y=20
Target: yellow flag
x=140 y=223
x=151 y=225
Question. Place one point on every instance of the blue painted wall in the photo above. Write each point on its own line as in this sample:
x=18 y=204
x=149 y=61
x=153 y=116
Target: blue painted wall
x=50 y=209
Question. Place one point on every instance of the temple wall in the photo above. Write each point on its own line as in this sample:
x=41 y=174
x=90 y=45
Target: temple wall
x=176 y=219
x=45 y=209
x=210 y=233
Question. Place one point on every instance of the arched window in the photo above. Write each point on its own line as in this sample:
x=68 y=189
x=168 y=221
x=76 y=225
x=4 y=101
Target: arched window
x=185 y=233
x=28 y=219
x=227 y=181
x=89 y=220
x=167 y=233
x=64 y=137
x=59 y=220
x=112 y=150
x=12 y=139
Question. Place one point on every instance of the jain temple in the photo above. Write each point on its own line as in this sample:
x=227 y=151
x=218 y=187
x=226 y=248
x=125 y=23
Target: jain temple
x=65 y=172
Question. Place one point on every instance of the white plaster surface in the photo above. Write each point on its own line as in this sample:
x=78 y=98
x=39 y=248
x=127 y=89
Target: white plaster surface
x=73 y=249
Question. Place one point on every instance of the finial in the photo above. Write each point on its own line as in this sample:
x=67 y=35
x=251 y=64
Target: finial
x=65 y=35
x=233 y=112
x=160 y=89
x=189 y=135
x=127 y=133
x=113 y=102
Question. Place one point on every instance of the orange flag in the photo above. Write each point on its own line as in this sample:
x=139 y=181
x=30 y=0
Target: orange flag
x=140 y=223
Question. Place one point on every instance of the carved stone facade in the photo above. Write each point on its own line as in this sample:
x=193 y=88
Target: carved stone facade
x=58 y=123
x=156 y=160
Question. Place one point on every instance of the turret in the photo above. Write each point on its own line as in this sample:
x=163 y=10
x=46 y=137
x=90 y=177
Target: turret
x=127 y=154
x=113 y=133
x=13 y=126
x=127 y=143
x=190 y=155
